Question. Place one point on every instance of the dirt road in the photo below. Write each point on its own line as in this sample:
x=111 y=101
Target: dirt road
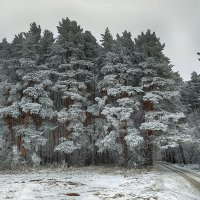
x=192 y=177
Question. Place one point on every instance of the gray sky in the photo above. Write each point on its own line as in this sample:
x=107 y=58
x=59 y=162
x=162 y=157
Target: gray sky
x=176 y=22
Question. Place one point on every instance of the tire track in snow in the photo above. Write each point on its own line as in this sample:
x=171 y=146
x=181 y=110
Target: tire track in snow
x=184 y=173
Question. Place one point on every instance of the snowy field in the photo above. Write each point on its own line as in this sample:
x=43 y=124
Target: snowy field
x=94 y=183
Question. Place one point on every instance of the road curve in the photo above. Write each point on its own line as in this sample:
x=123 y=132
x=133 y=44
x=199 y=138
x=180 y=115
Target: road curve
x=192 y=177
x=192 y=173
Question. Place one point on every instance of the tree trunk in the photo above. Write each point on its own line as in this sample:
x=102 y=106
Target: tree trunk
x=26 y=122
x=125 y=146
x=148 y=150
x=10 y=125
x=182 y=154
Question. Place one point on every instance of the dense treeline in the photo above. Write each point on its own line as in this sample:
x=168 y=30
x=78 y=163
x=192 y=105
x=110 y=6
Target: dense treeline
x=70 y=100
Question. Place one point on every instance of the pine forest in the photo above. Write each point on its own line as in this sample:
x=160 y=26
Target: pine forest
x=68 y=98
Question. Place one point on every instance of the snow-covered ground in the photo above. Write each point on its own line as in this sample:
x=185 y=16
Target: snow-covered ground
x=175 y=186
x=94 y=183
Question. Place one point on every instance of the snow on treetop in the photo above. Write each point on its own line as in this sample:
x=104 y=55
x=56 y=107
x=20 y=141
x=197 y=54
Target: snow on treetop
x=121 y=67
x=93 y=109
x=83 y=72
x=101 y=101
x=146 y=81
x=67 y=147
x=69 y=74
x=155 y=114
x=138 y=89
x=109 y=142
x=66 y=66
x=154 y=125
x=119 y=89
x=156 y=81
x=155 y=96
x=128 y=102
x=109 y=80
x=35 y=91
x=149 y=63
x=37 y=76
x=5 y=86
x=47 y=82
x=47 y=113
x=82 y=63
x=133 y=71
x=149 y=96
x=174 y=140
x=162 y=81
x=82 y=86
x=119 y=113
x=13 y=92
x=168 y=94
x=175 y=117
x=31 y=135
x=33 y=108
x=133 y=137
x=26 y=61
x=47 y=102
x=73 y=95
x=12 y=110
x=149 y=72
x=164 y=116
x=74 y=113
x=70 y=85
x=108 y=68
x=73 y=73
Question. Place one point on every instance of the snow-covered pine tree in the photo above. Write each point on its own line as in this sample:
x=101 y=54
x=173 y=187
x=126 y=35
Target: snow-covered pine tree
x=190 y=97
x=5 y=49
x=8 y=111
x=161 y=101
x=118 y=103
x=17 y=45
x=190 y=93
x=45 y=44
x=124 y=44
x=30 y=48
x=26 y=97
x=73 y=91
x=107 y=40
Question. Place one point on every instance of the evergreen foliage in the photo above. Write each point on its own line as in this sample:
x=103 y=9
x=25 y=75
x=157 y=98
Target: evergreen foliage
x=107 y=40
x=68 y=99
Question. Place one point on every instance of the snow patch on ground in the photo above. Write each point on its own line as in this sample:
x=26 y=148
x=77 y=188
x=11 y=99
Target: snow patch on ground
x=175 y=187
x=92 y=183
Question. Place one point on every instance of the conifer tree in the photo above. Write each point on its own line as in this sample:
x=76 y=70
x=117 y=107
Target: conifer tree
x=5 y=49
x=149 y=45
x=30 y=48
x=90 y=46
x=45 y=44
x=107 y=40
x=17 y=45
x=161 y=100
x=191 y=93
x=125 y=43
x=119 y=102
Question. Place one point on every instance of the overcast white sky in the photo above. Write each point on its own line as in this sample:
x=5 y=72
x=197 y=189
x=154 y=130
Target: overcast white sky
x=176 y=22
